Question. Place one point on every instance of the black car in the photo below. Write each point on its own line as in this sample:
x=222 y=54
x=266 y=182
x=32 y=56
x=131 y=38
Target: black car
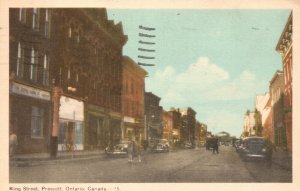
x=209 y=144
x=160 y=145
x=255 y=148
x=120 y=149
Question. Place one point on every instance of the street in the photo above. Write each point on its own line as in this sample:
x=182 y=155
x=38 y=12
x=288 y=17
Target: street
x=182 y=166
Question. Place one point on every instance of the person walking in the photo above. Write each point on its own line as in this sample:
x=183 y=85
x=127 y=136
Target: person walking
x=13 y=143
x=130 y=151
x=134 y=150
x=215 y=145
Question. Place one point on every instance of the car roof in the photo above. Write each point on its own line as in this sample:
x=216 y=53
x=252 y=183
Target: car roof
x=256 y=137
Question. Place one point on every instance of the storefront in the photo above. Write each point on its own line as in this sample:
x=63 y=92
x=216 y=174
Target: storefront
x=71 y=124
x=115 y=132
x=29 y=117
x=131 y=129
x=103 y=128
x=96 y=131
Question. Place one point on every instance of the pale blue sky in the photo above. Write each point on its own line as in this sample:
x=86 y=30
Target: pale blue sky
x=214 y=61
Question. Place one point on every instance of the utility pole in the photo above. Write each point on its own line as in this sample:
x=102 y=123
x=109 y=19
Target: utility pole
x=55 y=121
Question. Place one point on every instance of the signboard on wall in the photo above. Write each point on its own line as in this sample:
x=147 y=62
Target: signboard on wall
x=30 y=91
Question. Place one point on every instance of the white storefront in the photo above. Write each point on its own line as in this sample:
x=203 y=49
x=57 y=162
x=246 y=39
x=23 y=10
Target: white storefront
x=71 y=123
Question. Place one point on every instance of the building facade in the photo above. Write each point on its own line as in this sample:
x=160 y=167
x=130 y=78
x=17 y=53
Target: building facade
x=249 y=124
x=153 y=117
x=188 y=125
x=133 y=88
x=263 y=105
x=70 y=62
x=285 y=49
x=172 y=124
x=201 y=131
x=277 y=98
x=30 y=45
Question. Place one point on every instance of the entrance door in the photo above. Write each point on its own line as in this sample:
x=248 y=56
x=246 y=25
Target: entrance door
x=70 y=133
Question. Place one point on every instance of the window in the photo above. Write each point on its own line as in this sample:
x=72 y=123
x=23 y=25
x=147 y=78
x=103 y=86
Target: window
x=37 y=122
x=47 y=23
x=77 y=78
x=69 y=74
x=78 y=38
x=70 y=32
x=33 y=65
x=22 y=15
x=35 y=19
x=46 y=71
x=20 y=61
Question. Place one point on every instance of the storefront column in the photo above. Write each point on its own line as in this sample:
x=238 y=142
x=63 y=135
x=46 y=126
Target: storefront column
x=122 y=130
x=55 y=121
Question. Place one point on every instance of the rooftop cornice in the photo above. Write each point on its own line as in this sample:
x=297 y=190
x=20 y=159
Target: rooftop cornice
x=286 y=39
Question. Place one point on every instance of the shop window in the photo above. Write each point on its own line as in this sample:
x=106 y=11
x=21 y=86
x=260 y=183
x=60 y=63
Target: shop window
x=20 y=61
x=37 y=122
x=35 y=19
x=70 y=32
x=77 y=78
x=46 y=71
x=22 y=15
x=33 y=65
x=69 y=73
x=78 y=38
x=47 y=23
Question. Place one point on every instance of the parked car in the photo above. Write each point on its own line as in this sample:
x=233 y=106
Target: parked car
x=188 y=145
x=254 y=148
x=238 y=144
x=160 y=145
x=209 y=143
x=120 y=149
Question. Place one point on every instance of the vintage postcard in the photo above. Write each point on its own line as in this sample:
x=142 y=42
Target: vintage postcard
x=138 y=95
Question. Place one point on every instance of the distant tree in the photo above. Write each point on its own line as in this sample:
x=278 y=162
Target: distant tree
x=258 y=123
x=248 y=112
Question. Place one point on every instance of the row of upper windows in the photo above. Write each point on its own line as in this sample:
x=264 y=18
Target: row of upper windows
x=33 y=63
x=36 y=19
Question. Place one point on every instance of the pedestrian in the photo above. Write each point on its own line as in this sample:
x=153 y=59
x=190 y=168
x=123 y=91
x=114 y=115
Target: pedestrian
x=13 y=143
x=130 y=151
x=215 y=145
x=137 y=151
x=134 y=150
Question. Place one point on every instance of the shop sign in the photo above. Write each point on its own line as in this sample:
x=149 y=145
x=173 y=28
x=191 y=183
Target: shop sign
x=71 y=109
x=129 y=119
x=30 y=91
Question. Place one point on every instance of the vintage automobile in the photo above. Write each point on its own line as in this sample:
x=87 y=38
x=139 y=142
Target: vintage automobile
x=188 y=145
x=160 y=145
x=209 y=143
x=120 y=149
x=255 y=148
x=238 y=145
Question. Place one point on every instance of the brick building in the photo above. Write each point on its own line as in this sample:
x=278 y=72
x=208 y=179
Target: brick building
x=276 y=93
x=153 y=116
x=72 y=57
x=285 y=48
x=133 y=100
x=30 y=45
x=187 y=132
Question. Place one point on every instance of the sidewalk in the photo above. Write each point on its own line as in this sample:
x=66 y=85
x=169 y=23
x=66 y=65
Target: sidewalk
x=37 y=158
x=282 y=158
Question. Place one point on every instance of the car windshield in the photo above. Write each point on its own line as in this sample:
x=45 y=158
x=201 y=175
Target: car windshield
x=256 y=141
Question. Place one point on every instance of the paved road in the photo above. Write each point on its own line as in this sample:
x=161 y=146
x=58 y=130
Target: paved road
x=195 y=165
